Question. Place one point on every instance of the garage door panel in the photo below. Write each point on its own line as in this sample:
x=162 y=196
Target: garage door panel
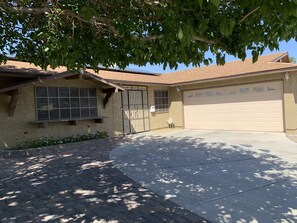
x=254 y=107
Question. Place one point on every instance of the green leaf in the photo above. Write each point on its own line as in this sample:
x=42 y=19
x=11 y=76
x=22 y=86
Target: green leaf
x=271 y=48
x=227 y=26
x=255 y=55
x=180 y=34
x=264 y=9
x=201 y=2
x=88 y=12
x=232 y=24
x=283 y=35
x=203 y=26
x=216 y=3
x=206 y=62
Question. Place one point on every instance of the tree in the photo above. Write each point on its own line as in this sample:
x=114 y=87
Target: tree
x=76 y=33
x=292 y=60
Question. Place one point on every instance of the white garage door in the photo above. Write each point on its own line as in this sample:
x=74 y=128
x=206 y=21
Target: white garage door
x=252 y=107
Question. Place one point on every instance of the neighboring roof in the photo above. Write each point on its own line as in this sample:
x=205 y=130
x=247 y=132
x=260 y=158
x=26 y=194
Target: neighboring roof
x=14 y=66
x=125 y=77
x=266 y=64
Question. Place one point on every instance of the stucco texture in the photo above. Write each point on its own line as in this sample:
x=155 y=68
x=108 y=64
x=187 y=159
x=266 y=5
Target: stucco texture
x=290 y=103
x=176 y=106
x=157 y=120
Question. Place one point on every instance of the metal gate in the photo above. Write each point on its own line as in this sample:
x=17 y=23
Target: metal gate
x=135 y=109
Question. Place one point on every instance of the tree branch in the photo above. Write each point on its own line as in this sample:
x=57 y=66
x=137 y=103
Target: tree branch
x=148 y=38
x=204 y=40
x=98 y=20
x=102 y=22
x=247 y=15
x=27 y=10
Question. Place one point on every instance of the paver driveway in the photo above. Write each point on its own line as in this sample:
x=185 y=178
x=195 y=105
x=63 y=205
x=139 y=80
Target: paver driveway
x=79 y=185
x=223 y=176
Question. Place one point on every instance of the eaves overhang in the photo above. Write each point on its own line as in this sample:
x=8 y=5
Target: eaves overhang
x=236 y=76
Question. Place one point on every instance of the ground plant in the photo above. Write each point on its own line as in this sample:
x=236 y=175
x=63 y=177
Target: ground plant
x=49 y=141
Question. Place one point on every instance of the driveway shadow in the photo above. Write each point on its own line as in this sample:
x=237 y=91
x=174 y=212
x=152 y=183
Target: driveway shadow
x=80 y=185
x=220 y=181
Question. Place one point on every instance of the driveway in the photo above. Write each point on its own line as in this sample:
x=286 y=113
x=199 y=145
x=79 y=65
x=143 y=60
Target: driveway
x=222 y=176
x=79 y=185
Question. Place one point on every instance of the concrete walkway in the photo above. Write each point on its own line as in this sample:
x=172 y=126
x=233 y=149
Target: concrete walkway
x=222 y=176
x=79 y=185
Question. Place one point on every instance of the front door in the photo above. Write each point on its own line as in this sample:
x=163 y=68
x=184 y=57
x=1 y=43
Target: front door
x=135 y=110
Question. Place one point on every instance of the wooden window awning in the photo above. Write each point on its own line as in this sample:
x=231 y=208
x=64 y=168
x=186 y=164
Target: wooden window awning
x=12 y=90
x=66 y=74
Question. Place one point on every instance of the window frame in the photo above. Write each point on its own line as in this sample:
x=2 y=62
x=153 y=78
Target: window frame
x=161 y=100
x=53 y=97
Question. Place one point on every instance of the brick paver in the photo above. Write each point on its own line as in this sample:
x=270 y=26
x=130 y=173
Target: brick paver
x=79 y=185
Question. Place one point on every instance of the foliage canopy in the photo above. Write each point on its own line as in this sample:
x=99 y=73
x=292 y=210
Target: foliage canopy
x=76 y=33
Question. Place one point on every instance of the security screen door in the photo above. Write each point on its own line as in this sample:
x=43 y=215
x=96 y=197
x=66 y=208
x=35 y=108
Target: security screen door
x=135 y=109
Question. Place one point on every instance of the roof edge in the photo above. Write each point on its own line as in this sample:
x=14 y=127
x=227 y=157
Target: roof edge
x=139 y=83
x=280 y=57
x=234 y=76
x=233 y=61
x=88 y=67
x=102 y=80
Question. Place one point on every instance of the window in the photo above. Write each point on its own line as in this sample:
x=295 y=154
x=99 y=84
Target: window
x=62 y=103
x=161 y=101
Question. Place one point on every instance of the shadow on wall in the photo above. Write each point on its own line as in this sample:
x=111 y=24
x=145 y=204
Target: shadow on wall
x=80 y=185
x=206 y=177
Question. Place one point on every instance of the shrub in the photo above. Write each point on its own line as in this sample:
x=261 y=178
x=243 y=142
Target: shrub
x=42 y=142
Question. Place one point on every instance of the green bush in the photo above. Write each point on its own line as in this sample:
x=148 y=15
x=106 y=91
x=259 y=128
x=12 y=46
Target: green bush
x=42 y=142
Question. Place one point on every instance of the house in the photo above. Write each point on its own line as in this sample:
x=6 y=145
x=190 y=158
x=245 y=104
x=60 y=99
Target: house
x=239 y=96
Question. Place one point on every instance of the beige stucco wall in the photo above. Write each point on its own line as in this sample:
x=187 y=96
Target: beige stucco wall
x=157 y=120
x=18 y=128
x=176 y=106
x=290 y=103
x=290 y=93
x=113 y=122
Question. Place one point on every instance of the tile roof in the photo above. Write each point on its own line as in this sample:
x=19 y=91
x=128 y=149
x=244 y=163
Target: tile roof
x=15 y=66
x=230 y=69
x=125 y=77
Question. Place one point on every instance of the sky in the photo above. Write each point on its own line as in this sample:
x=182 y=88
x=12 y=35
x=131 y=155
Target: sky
x=290 y=47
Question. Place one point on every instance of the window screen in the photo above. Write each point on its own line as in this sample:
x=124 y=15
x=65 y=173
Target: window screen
x=161 y=101
x=60 y=103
